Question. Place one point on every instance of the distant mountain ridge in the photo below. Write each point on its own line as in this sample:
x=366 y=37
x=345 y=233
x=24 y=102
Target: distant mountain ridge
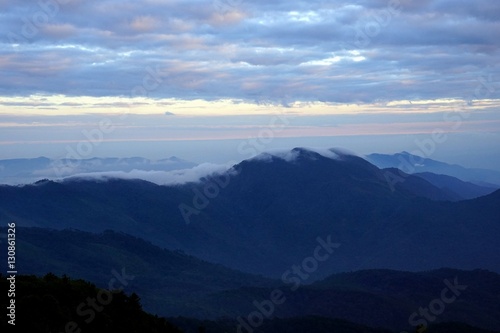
x=411 y=164
x=419 y=186
x=456 y=187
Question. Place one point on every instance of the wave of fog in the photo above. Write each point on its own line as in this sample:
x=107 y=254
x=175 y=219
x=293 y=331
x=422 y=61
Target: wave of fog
x=175 y=177
x=291 y=155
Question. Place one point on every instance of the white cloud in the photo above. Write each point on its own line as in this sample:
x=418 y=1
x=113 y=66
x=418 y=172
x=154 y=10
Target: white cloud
x=291 y=155
x=176 y=177
x=284 y=154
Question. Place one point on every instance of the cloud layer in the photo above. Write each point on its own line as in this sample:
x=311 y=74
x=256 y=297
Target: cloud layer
x=169 y=178
x=342 y=51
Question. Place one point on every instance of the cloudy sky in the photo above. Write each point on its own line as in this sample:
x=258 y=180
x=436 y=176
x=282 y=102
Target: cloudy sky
x=222 y=79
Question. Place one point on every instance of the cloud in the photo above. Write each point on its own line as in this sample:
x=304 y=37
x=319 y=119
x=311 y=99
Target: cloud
x=347 y=52
x=144 y=24
x=283 y=154
x=58 y=31
x=169 y=178
x=292 y=155
x=22 y=171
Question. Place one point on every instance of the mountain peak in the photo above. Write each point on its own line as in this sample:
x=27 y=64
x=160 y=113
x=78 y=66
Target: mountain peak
x=302 y=153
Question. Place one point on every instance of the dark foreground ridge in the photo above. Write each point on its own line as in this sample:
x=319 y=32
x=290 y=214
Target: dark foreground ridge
x=173 y=284
x=61 y=304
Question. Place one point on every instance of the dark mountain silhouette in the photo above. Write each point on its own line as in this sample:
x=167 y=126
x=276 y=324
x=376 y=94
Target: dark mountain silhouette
x=170 y=283
x=268 y=213
x=316 y=324
x=456 y=187
x=173 y=284
x=380 y=298
x=418 y=186
x=61 y=304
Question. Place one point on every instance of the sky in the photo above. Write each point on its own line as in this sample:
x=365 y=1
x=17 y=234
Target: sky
x=220 y=80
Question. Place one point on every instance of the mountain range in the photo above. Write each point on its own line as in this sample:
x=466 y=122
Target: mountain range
x=410 y=164
x=267 y=213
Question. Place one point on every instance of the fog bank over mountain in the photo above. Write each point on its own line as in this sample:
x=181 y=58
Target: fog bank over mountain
x=25 y=171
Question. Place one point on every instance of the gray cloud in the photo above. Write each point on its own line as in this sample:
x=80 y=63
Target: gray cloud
x=356 y=51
